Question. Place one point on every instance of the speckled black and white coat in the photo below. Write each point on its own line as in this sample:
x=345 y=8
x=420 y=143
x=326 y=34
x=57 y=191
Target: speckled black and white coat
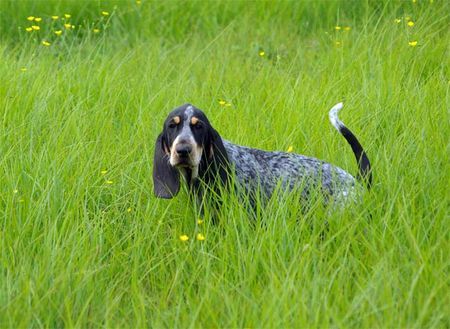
x=190 y=147
x=266 y=170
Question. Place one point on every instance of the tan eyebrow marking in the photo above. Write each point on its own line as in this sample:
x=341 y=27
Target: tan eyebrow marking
x=194 y=120
x=176 y=119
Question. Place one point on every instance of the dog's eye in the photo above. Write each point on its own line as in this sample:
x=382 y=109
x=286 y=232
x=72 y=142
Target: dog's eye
x=172 y=125
x=198 y=126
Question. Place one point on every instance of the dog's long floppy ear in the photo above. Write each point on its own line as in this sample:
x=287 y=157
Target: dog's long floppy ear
x=217 y=155
x=166 y=179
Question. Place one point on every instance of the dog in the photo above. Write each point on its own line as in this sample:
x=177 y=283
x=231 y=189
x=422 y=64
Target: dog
x=190 y=147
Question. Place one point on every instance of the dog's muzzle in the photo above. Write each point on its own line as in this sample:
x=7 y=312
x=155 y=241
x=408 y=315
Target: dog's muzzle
x=185 y=153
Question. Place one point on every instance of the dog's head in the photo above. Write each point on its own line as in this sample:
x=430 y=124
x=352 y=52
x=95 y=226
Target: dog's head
x=187 y=144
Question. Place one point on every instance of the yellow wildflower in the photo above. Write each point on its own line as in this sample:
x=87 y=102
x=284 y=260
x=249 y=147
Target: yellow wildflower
x=412 y=43
x=337 y=28
x=398 y=20
x=138 y=2
x=262 y=53
x=96 y=30
x=184 y=237
x=29 y=29
x=290 y=149
x=55 y=17
x=46 y=43
x=30 y=18
x=347 y=28
x=105 y=13
x=109 y=182
x=200 y=237
x=37 y=19
x=410 y=23
x=222 y=102
x=338 y=43
x=67 y=25
x=67 y=15
x=59 y=32
x=129 y=210
x=104 y=171
x=200 y=221
x=35 y=27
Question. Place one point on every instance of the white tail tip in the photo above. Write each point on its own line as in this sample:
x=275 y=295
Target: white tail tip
x=333 y=115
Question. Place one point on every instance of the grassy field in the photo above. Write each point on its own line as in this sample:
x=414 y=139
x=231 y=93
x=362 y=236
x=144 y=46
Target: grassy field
x=83 y=241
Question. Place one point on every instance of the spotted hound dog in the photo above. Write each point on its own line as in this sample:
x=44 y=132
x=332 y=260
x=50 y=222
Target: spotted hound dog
x=190 y=147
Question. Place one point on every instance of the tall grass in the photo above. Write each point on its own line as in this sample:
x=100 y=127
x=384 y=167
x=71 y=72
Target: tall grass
x=85 y=243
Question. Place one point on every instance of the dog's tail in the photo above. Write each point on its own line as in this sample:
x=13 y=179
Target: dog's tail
x=365 y=172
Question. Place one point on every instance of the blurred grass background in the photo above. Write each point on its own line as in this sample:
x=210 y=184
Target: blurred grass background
x=85 y=243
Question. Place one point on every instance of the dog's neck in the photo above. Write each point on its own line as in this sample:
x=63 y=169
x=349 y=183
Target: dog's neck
x=189 y=174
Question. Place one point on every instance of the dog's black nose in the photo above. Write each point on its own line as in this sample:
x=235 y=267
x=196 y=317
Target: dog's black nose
x=183 y=151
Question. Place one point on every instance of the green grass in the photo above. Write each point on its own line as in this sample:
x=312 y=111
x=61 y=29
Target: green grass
x=77 y=251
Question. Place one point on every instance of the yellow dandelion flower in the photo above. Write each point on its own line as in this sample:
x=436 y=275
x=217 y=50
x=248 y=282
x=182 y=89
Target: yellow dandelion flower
x=200 y=237
x=55 y=17
x=222 y=102
x=412 y=43
x=290 y=149
x=59 y=32
x=37 y=19
x=23 y=69
x=104 y=171
x=184 y=238
x=67 y=25
x=96 y=30
x=338 y=43
x=200 y=221
x=46 y=43
x=109 y=182
x=414 y=1
x=337 y=28
x=105 y=13
x=67 y=15
x=35 y=27
x=397 y=20
x=261 y=53
x=29 y=29
x=30 y=18
x=347 y=28
x=138 y=2
x=129 y=210
x=410 y=23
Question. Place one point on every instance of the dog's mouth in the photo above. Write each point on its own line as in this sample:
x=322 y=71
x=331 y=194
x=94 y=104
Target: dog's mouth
x=188 y=162
x=184 y=163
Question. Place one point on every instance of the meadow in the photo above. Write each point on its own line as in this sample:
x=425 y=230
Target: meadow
x=85 y=87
